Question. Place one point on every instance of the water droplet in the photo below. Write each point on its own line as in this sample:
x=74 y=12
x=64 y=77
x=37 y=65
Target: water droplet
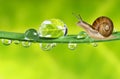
x=6 y=41
x=16 y=42
x=53 y=28
x=31 y=34
x=72 y=46
x=47 y=46
x=94 y=44
x=115 y=30
x=82 y=34
x=26 y=44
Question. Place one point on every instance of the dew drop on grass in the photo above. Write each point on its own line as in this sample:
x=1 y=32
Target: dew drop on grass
x=16 y=42
x=94 y=44
x=6 y=41
x=31 y=34
x=115 y=30
x=81 y=35
x=47 y=46
x=53 y=28
x=26 y=44
x=72 y=46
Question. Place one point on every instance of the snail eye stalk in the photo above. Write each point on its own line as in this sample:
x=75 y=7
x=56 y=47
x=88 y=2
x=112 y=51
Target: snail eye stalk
x=78 y=16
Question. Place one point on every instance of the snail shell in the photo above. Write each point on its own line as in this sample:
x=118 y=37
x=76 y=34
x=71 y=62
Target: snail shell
x=103 y=25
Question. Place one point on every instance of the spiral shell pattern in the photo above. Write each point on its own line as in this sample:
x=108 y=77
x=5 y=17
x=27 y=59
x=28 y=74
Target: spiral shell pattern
x=103 y=25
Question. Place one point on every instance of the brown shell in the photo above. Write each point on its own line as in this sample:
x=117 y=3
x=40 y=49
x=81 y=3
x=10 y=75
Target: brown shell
x=103 y=25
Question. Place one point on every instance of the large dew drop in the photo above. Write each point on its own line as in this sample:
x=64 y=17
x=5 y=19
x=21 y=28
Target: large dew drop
x=47 y=46
x=6 y=41
x=53 y=28
x=31 y=34
x=72 y=46
x=26 y=44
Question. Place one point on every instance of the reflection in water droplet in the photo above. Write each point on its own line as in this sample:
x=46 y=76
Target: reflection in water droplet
x=94 y=44
x=53 y=28
x=26 y=44
x=16 y=42
x=6 y=41
x=72 y=46
x=82 y=34
x=31 y=34
x=47 y=46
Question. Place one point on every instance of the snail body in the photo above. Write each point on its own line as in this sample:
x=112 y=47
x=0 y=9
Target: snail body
x=101 y=28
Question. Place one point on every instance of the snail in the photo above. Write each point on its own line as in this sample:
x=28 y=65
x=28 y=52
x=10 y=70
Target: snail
x=102 y=28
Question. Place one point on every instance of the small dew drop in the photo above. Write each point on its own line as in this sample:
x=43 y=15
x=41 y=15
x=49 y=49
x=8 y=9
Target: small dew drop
x=82 y=35
x=16 y=42
x=94 y=44
x=47 y=46
x=26 y=44
x=115 y=30
x=6 y=41
x=72 y=46
x=31 y=34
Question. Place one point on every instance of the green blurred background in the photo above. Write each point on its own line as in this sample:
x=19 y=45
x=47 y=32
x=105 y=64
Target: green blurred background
x=85 y=62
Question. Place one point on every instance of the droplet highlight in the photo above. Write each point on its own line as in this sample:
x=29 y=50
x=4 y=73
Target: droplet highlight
x=47 y=46
x=6 y=42
x=53 y=28
x=26 y=44
x=72 y=46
